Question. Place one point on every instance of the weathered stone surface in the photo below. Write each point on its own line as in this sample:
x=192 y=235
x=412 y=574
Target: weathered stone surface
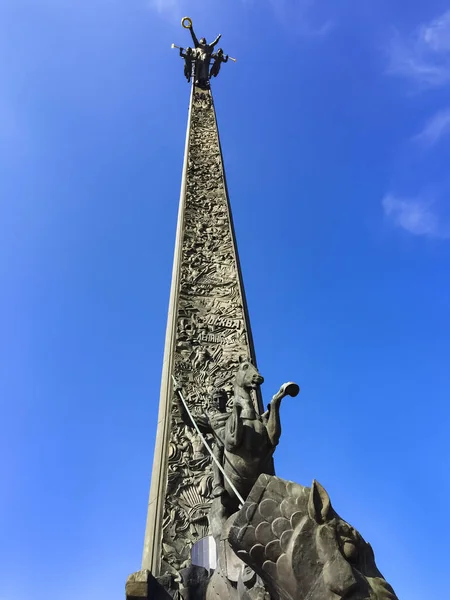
x=207 y=335
x=232 y=579
x=212 y=331
x=143 y=586
x=193 y=583
x=301 y=548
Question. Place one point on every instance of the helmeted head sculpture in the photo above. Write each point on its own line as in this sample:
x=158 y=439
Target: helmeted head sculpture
x=301 y=548
x=218 y=399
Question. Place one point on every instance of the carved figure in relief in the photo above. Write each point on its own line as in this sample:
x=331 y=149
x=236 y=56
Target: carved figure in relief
x=197 y=445
x=201 y=357
x=212 y=422
x=217 y=415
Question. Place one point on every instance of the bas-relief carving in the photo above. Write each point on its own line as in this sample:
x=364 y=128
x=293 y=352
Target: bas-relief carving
x=211 y=334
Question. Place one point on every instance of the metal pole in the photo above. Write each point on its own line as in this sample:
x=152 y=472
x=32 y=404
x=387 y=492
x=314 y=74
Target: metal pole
x=205 y=443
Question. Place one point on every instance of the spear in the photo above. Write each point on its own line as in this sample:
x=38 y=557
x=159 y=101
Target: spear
x=205 y=443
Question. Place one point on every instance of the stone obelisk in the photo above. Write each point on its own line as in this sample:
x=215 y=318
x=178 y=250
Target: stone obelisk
x=208 y=332
x=272 y=538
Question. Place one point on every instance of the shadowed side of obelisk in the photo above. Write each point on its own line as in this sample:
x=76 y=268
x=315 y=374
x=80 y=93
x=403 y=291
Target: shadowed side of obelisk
x=153 y=534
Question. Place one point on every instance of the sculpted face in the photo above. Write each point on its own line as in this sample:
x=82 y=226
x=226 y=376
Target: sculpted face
x=248 y=377
x=292 y=537
x=219 y=400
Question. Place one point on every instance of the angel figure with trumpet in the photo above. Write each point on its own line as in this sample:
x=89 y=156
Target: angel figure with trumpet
x=198 y=59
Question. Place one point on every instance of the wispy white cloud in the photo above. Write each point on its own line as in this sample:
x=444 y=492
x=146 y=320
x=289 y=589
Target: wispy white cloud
x=436 y=33
x=435 y=129
x=416 y=215
x=424 y=55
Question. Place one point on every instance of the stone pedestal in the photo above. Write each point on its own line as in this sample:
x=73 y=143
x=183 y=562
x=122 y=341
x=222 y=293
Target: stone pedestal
x=192 y=585
x=143 y=586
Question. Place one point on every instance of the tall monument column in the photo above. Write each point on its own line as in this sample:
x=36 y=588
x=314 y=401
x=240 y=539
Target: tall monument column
x=220 y=525
x=208 y=332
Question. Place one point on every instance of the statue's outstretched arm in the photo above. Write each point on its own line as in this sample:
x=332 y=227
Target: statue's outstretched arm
x=216 y=40
x=194 y=37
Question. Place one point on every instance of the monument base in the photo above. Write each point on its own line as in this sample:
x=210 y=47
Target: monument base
x=143 y=586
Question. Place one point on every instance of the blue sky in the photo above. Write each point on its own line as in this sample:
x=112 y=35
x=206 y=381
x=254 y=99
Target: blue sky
x=335 y=124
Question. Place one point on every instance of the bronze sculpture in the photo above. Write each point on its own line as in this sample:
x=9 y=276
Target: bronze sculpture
x=188 y=56
x=301 y=548
x=219 y=58
x=198 y=59
x=250 y=438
